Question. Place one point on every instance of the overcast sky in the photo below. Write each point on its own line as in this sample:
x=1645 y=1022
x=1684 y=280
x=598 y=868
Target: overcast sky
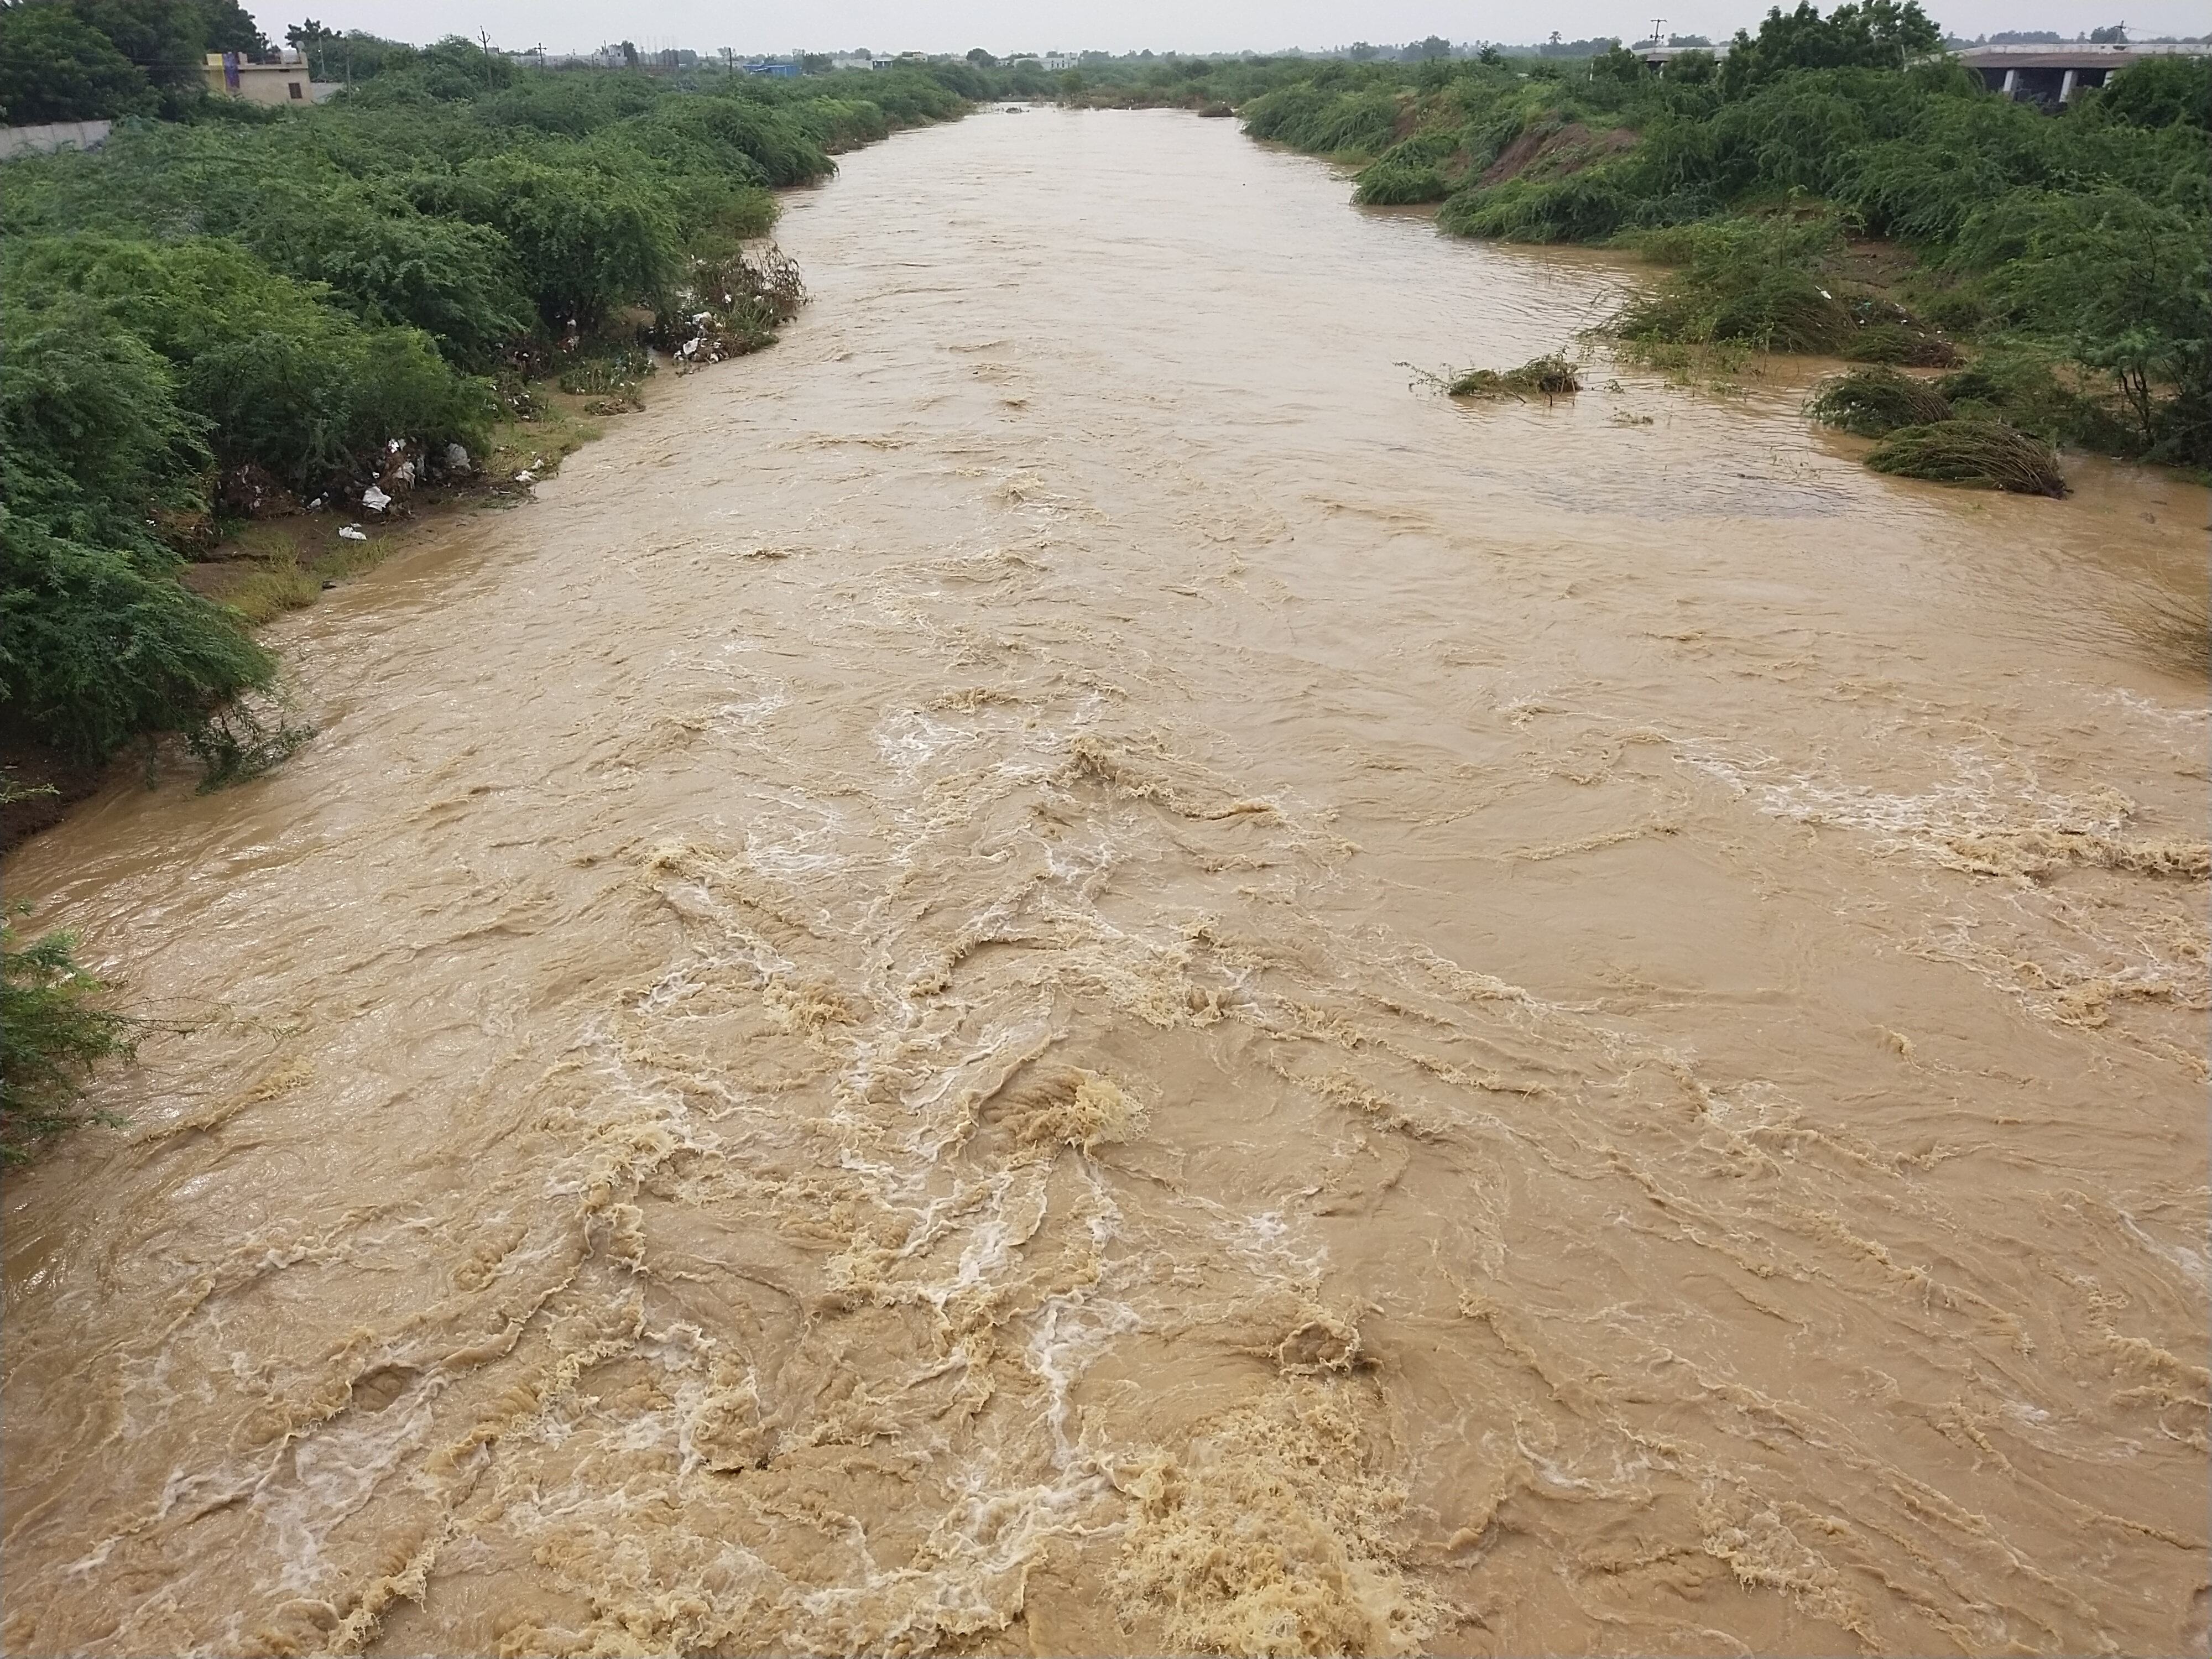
x=1187 y=26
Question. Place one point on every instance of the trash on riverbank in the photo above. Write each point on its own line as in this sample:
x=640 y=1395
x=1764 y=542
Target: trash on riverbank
x=352 y=533
x=1981 y=454
x=1873 y=401
x=739 y=301
x=251 y=491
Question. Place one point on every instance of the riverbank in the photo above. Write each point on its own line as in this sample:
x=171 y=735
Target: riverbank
x=2065 y=254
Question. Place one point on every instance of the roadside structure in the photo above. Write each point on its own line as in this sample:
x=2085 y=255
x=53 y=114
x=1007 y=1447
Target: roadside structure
x=2054 y=74
x=284 y=82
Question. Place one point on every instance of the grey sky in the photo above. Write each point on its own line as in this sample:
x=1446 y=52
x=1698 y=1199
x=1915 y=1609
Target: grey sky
x=1190 y=26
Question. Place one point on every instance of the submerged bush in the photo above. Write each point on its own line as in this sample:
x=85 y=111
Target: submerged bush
x=1548 y=376
x=53 y=1031
x=1873 y=402
x=1983 y=455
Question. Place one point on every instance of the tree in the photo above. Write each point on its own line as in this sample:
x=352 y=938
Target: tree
x=165 y=38
x=1879 y=35
x=980 y=58
x=2159 y=92
x=2122 y=284
x=630 y=54
x=2114 y=35
x=229 y=26
x=55 y=67
x=313 y=39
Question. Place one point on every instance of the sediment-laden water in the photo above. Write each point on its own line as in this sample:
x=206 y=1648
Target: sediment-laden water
x=1060 y=969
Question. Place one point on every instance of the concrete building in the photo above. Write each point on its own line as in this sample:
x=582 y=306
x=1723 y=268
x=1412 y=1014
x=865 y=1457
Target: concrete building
x=285 y=81
x=2047 y=74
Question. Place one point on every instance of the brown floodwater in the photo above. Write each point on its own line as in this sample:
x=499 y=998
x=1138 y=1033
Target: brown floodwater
x=1064 y=969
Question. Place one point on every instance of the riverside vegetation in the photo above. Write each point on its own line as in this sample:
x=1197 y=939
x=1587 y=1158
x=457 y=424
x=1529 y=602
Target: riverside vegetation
x=1830 y=184
x=234 y=312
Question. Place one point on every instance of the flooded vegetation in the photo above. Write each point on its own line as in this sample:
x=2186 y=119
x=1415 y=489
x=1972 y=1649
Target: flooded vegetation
x=1056 y=971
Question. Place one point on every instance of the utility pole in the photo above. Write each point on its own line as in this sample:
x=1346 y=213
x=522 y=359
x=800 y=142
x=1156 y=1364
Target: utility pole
x=1658 y=28
x=485 y=38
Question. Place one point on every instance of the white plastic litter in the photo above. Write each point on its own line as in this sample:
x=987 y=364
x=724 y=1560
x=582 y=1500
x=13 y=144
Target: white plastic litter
x=352 y=533
x=457 y=458
x=374 y=499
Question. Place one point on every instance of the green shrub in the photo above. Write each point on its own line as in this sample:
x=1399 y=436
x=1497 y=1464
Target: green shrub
x=1410 y=171
x=280 y=377
x=1586 y=207
x=2123 y=285
x=92 y=437
x=1326 y=123
x=96 y=650
x=1980 y=454
x=2156 y=92
x=53 y=1031
x=1741 y=279
x=1875 y=402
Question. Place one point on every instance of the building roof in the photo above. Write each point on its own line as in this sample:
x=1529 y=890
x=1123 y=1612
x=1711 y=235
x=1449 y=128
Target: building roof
x=2080 y=55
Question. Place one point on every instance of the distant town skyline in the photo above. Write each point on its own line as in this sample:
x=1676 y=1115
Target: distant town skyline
x=1211 y=25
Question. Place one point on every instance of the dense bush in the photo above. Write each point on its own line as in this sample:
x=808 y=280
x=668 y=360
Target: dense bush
x=292 y=291
x=98 y=641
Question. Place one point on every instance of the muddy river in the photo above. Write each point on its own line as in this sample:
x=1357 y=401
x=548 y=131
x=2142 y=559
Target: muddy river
x=1065 y=969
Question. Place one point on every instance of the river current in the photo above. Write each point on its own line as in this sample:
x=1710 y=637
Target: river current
x=1064 y=969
